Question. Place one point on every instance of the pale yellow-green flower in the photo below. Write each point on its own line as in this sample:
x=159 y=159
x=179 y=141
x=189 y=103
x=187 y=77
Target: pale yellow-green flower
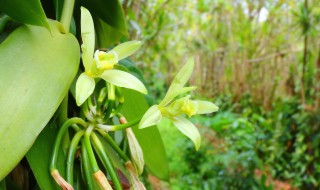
x=100 y=64
x=175 y=109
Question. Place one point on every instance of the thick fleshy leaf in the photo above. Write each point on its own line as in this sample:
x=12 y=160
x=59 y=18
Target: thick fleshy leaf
x=135 y=151
x=149 y=138
x=179 y=81
x=188 y=129
x=27 y=12
x=36 y=70
x=88 y=38
x=84 y=88
x=106 y=35
x=204 y=107
x=151 y=117
x=126 y=49
x=39 y=157
x=174 y=93
x=123 y=79
x=110 y=11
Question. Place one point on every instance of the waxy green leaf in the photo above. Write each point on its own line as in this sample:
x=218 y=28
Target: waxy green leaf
x=27 y=12
x=106 y=35
x=110 y=11
x=36 y=70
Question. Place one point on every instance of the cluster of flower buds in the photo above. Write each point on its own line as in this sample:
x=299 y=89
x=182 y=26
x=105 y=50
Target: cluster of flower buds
x=91 y=134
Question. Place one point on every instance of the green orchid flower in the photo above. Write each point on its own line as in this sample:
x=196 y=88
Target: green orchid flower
x=175 y=109
x=100 y=64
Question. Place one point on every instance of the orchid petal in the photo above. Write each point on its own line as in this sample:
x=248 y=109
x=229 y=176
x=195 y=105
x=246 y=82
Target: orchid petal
x=179 y=81
x=151 y=117
x=126 y=49
x=88 y=38
x=174 y=93
x=188 y=129
x=123 y=79
x=84 y=88
x=204 y=107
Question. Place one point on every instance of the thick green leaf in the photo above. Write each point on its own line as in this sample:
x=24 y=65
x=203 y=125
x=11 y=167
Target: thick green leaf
x=39 y=157
x=36 y=70
x=110 y=11
x=106 y=35
x=27 y=12
x=149 y=138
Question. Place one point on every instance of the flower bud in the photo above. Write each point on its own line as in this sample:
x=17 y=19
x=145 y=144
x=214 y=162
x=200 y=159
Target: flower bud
x=136 y=151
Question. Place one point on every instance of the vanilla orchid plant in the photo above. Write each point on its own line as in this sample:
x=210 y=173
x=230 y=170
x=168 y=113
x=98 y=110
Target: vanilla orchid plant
x=99 y=111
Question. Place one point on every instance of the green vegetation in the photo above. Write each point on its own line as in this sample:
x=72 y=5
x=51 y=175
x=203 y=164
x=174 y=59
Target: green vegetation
x=279 y=145
x=85 y=83
x=259 y=61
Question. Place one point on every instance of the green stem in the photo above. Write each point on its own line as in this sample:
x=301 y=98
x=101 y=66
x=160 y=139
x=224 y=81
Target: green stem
x=71 y=154
x=114 y=145
x=86 y=166
x=108 y=111
x=111 y=92
x=66 y=15
x=102 y=96
x=92 y=159
x=62 y=130
x=100 y=150
x=91 y=106
x=117 y=110
x=63 y=117
x=120 y=126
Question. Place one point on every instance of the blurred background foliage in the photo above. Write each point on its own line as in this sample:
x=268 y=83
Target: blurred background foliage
x=259 y=61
